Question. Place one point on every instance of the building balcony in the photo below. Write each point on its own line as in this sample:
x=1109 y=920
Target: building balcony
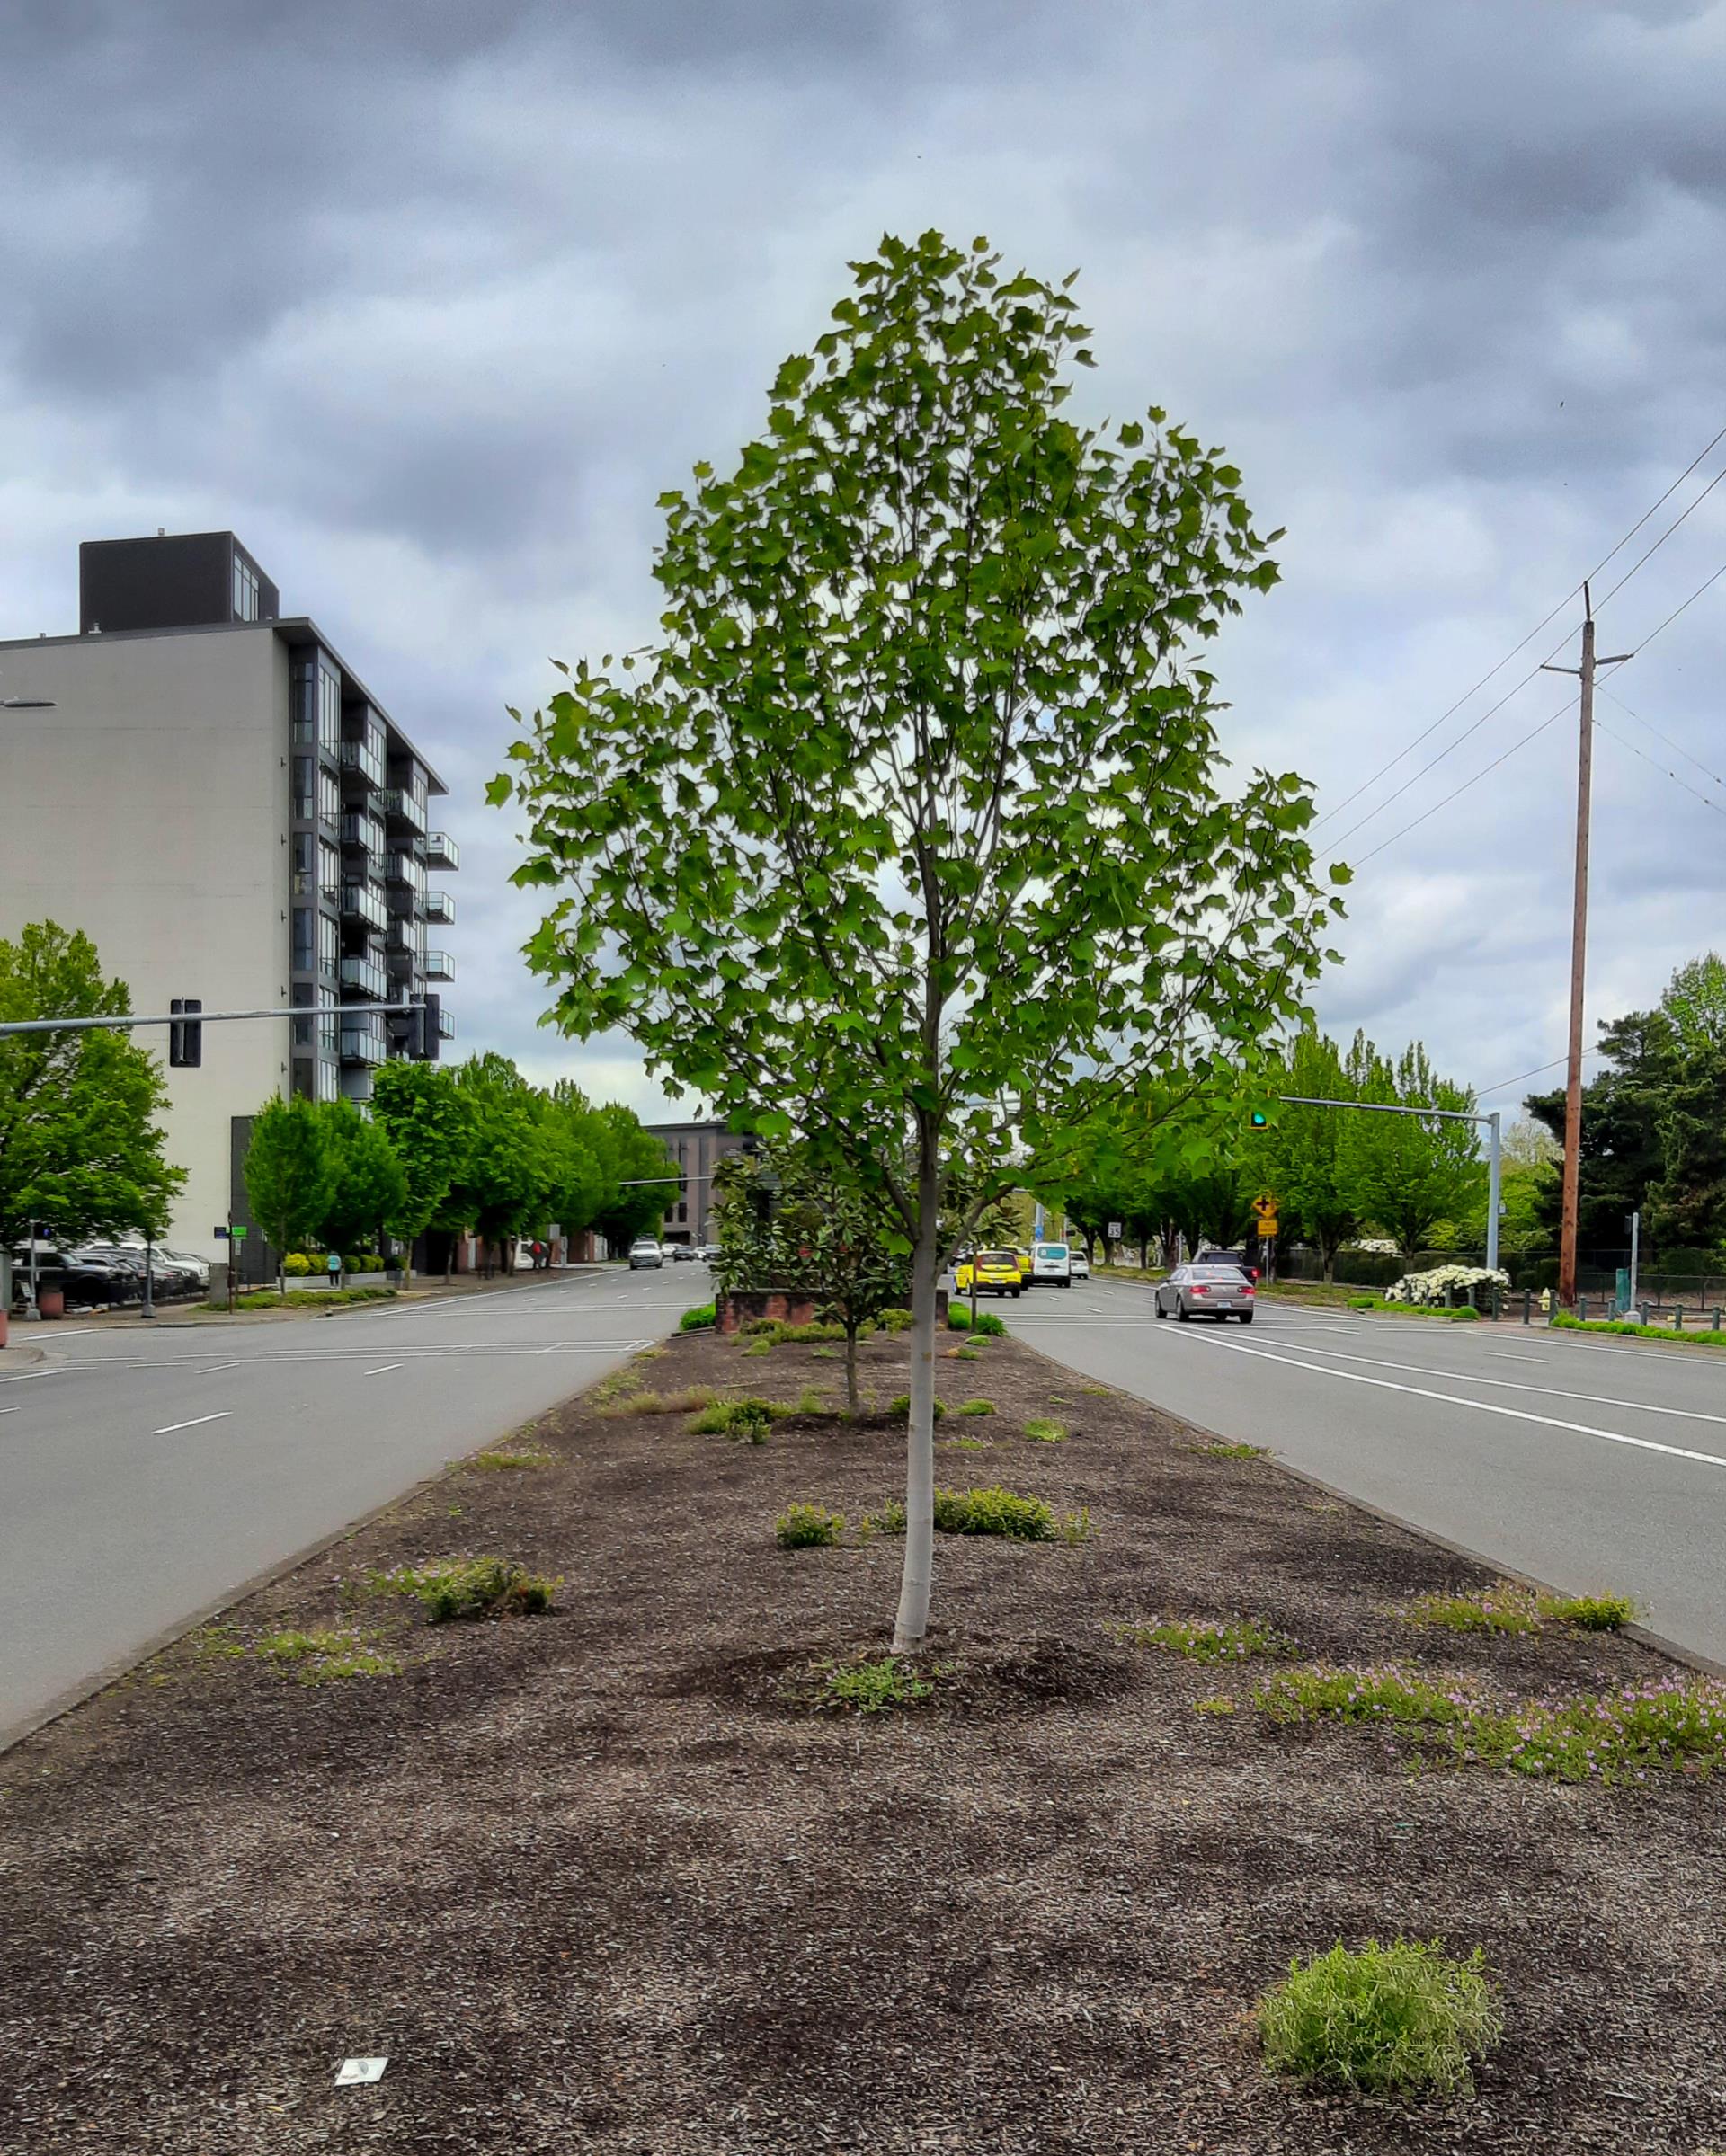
x=365 y=979
x=362 y=832
x=404 y=870
x=441 y=851
x=364 y=902
x=446 y=1025
x=441 y=907
x=439 y=966
x=360 y=760
x=359 y=1045
x=401 y=807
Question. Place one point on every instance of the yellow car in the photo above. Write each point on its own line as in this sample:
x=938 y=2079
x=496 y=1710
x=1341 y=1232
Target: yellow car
x=996 y=1272
x=1025 y=1265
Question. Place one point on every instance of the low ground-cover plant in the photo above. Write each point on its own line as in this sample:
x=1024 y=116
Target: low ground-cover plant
x=895 y=1321
x=889 y=1520
x=1507 y=1606
x=1704 y=1337
x=699 y=1319
x=1044 y=1429
x=976 y=1407
x=967 y=1444
x=452 y=1588
x=267 y=1298
x=993 y=1511
x=900 y=1407
x=807 y=1527
x=1219 y=1451
x=872 y=1686
x=748 y=1421
x=325 y=1657
x=1208 y=1639
x=1365 y=1695
x=516 y=1459
x=987 y=1326
x=686 y=1400
x=1387 y=2021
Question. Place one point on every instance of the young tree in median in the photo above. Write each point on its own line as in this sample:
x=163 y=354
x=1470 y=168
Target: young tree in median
x=288 y=1174
x=79 y=1147
x=909 y=832
x=367 y=1186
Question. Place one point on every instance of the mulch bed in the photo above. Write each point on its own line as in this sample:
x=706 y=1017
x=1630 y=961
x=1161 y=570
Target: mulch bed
x=595 y=1881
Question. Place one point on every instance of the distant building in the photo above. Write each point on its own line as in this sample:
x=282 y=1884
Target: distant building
x=695 y=1149
x=219 y=802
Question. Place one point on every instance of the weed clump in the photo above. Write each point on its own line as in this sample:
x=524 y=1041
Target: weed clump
x=900 y=1406
x=456 y=1588
x=1219 y=1451
x=807 y=1527
x=506 y=1461
x=889 y=1520
x=747 y=1421
x=1223 y=1639
x=1044 y=1429
x=976 y=1407
x=987 y=1325
x=993 y=1511
x=1506 y=1607
x=872 y=1687
x=1387 y=2021
x=327 y=1656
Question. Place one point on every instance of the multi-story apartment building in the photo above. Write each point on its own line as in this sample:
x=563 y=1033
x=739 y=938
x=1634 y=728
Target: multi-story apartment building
x=695 y=1149
x=219 y=802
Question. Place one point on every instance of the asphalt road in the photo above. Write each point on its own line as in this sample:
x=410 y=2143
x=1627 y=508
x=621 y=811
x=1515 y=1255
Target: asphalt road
x=146 y=1474
x=1589 y=1464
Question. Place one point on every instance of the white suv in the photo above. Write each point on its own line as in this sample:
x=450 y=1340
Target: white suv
x=1051 y=1265
x=644 y=1252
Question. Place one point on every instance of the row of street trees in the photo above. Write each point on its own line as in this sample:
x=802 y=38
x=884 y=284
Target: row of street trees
x=472 y=1148
x=908 y=838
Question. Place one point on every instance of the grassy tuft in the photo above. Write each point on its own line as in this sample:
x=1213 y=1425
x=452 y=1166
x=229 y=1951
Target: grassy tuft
x=872 y=1687
x=900 y=1406
x=1222 y=1452
x=993 y=1511
x=807 y=1527
x=976 y=1407
x=988 y=1326
x=1220 y=1705
x=470 y=1587
x=327 y=1656
x=502 y=1462
x=1202 y=1639
x=1387 y=2021
x=1044 y=1429
x=889 y=1520
x=1506 y=1607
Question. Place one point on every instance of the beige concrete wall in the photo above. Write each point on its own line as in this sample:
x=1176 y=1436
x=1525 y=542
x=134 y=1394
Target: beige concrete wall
x=150 y=808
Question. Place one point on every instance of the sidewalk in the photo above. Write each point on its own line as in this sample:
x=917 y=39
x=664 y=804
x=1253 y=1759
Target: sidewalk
x=181 y=1316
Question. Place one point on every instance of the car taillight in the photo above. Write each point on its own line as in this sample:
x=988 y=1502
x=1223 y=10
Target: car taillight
x=1198 y=1289
x=1247 y=1291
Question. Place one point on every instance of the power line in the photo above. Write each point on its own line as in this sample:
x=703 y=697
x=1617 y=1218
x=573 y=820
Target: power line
x=1674 y=614
x=1664 y=536
x=1673 y=775
x=1540 y=1069
x=1463 y=788
x=1366 y=784
x=1678 y=746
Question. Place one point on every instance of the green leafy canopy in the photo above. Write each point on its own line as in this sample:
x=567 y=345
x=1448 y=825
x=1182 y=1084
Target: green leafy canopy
x=910 y=829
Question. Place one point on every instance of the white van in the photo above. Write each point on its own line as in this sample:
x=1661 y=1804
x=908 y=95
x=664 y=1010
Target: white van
x=1051 y=1265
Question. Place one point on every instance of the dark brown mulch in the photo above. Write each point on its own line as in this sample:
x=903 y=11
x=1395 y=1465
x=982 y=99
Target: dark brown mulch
x=593 y=1882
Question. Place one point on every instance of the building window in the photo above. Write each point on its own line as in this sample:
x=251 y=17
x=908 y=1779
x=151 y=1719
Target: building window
x=329 y=798
x=329 y=871
x=329 y=712
x=303 y=945
x=304 y=795
x=303 y=855
x=329 y=1079
x=329 y=945
x=246 y=589
x=305 y=1077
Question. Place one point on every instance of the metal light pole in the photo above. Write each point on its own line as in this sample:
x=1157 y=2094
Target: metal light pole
x=1635 y=1253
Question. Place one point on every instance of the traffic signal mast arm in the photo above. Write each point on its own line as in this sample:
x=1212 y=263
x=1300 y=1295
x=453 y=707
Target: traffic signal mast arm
x=1379 y=1107
x=117 y=1024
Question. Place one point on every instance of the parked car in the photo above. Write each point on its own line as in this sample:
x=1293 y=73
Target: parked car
x=682 y=1253
x=1051 y=1265
x=1205 y=1290
x=646 y=1253
x=1078 y=1264
x=996 y=1272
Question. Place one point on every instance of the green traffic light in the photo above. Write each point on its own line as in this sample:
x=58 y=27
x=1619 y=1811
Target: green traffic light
x=1260 y=1121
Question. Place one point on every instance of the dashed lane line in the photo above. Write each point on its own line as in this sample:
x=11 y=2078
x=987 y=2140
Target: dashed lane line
x=220 y=1415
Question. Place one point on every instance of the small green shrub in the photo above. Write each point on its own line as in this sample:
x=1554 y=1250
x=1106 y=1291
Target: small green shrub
x=1591 y=1612
x=901 y=1406
x=748 y=1421
x=988 y=1326
x=807 y=1527
x=1365 y=1302
x=872 y=1687
x=1074 y=1528
x=471 y=1587
x=699 y=1319
x=976 y=1407
x=758 y=1325
x=1201 y=1639
x=823 y=1355
x=1466 y=1315
x=1632 y=1330
x=889 y=1520
x=810 y=1402
x=504 y=1462
x=895 y=1321
x=1044 y=1429
x=993 y=1511
x=1386 y=2020
x=759 y=1347
x=296 y=1265
x=968 y=1354
x=794 y=1334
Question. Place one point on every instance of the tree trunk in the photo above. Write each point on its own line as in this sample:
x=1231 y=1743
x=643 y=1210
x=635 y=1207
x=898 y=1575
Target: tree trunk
x=851 y=1407
x=913 y=1621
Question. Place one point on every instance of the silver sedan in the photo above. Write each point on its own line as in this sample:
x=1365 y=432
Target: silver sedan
x=1219 y=1291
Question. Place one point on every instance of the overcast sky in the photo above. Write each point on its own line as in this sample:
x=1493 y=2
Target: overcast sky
x=429 y=301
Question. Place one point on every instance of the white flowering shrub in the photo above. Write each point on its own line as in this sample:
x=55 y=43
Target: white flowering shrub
x=1435 y=1287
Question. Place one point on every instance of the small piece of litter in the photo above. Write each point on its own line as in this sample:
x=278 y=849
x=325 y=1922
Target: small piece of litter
x=360 y=2070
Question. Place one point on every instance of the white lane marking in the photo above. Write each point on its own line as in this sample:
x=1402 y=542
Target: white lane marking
x=1502 y=1354
x=24 y=1377
x=1644 y=1354
x=220 y=1415
x=1451 y=1399
x=1550 y=1392
x=11 y=1411
x=381 y=1368
x=204 y=1369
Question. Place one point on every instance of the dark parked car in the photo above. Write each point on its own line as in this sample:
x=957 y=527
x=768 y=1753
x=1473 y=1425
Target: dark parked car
x=1205 y=1290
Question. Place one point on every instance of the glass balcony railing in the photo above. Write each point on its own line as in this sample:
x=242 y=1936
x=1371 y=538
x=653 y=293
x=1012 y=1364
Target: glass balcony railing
x=441 y=851
x=441 y=907
x=363 y=831
x=446 y=1025
x=365 y=902
x=403 y=807
x=368 y=980
x=359 y=1045
x=439 y=966
x=406 y=870
x=363 y=761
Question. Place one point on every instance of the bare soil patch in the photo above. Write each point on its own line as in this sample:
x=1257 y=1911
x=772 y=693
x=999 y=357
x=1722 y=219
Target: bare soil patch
x=603 y=1879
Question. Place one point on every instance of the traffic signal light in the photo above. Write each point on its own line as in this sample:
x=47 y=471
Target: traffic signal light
x=185 y=1036
x=1260 y=1120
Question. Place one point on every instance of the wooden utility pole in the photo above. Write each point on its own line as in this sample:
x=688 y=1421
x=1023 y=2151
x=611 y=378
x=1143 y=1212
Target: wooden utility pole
x=1579 y=951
